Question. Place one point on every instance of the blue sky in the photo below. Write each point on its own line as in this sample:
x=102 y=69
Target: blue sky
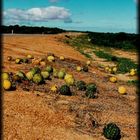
x=86 y=15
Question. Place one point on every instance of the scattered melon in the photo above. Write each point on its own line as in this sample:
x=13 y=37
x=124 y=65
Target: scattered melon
x=113 y=79
x=114 y=69
x=132 y=72
x=122 y=90
x=45 y=74
x=70 y=81
x=54 y=88
x=62 y=58
x=107 y=68
x=78 y=68
x=29 y=75
x=61 y=74
x=5 y=76
x=68 y=76
x=88 y=62
x=50 y=58
x=7 y=84
x=30 y=56
x=18 y=61
x=43 y=63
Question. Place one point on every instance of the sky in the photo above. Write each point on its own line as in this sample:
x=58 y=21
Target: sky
x=82 y=15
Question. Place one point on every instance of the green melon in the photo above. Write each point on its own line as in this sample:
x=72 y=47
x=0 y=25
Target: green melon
x=37 y=78
x=21 y=74
x=35 y=70
x=18 y=61
x=65 y=90
x=81 y=85
x=61 y=74
x=111 y=131
x=49 y=69
x=91 y=90
x=55 y=72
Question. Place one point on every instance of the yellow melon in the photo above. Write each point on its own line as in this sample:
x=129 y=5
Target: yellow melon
x=50 y=58
x=132 y=72
x=114 y=69
x=122 y=90
x=62 y=58
x=7 y=84
x=69 y=81
x=78 y=68
x=54 y=88
x=113 y=79
x=68 y=76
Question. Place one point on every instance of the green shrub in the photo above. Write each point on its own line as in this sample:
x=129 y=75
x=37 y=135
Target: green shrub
x=124 y=65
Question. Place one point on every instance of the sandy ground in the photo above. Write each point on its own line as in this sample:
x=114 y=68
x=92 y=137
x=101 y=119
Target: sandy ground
x=38 y=115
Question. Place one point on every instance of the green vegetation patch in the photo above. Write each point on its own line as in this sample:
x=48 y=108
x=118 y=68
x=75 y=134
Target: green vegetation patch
x=120 y=40
x=106 y=56
x=132 y=82
x=124 y=64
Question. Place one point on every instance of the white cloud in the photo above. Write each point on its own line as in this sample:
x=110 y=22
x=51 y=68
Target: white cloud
x=38 y=14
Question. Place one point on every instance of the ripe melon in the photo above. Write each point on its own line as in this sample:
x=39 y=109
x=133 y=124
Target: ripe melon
x=18 y=61
x=62 y=58
x=78 y=68
x=54 y=88
x=45 y=74
x=50 y=58
x=30 y=56
x=29 y=75
x=70 y=81
x=7 y=84
x=122 y=90
x=114 y=69
x=113 y=79
x=5 y=76
x=68 y=76
x=132 y=72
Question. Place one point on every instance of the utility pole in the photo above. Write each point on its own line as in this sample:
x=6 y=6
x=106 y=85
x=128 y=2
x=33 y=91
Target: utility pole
x=12 y=31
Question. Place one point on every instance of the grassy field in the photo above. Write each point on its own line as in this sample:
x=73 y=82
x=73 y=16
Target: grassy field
x=82 y=43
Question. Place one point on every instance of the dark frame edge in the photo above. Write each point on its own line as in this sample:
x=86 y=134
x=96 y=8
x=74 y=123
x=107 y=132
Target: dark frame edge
x=138 y=86
x=1 y=94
